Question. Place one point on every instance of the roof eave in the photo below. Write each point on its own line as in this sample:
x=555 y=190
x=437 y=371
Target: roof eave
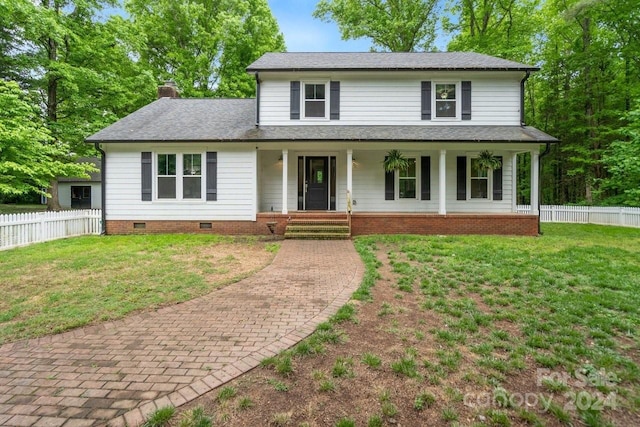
x=327 y=69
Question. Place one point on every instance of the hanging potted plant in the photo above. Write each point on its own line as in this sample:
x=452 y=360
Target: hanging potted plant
x=395 y=161
x=486 y=160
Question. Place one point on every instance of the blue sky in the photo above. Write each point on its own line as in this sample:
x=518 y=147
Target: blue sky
x=304 y=33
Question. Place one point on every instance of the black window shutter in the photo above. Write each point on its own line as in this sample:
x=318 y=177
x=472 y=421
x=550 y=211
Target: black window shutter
x=295 y=100
x=334 y=101
x=389 y=185
x=461 y=177
x=425 y=178
x=466 y=100
x=497 y=182
x=212 y=175
x=425 y=100
x=147 y=176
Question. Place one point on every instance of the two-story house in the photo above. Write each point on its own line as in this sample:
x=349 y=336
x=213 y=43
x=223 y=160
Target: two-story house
x=313 y=142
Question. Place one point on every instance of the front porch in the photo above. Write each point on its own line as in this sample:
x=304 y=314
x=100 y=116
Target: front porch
x=307 y=179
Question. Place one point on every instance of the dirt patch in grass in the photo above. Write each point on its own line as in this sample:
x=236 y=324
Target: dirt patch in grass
x=227 y=262
x=407 y=359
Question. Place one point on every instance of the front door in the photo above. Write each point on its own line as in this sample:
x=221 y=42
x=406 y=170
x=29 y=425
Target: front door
x=317 y=183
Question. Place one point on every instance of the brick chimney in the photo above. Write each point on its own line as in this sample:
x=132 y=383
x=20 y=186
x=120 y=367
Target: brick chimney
x=168 y=90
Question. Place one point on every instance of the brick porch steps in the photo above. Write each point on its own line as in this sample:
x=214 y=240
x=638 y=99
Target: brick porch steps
x=318 y=228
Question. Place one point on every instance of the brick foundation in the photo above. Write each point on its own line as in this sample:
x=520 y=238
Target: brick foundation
x=361 y=224
x=407 y=223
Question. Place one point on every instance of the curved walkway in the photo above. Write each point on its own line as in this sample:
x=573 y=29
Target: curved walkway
x=116 y=373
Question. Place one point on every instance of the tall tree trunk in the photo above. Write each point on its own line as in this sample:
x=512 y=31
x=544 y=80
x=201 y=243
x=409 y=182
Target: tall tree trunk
x=53 y=203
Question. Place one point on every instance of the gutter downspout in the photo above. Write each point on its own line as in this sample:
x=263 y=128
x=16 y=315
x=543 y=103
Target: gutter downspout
x=524 y=79
x=257 y=100
x=103 y=187
x=544 y=153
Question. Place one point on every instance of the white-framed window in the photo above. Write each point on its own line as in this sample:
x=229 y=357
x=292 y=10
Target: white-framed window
x=315 y=100
x=408 y=181
x=192 y=176
x=479 y=181
x=446 y=100
x=166 y=168
x=179 y=176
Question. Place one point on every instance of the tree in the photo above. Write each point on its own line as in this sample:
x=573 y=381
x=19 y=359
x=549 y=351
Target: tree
x=392 y=25
x=503 y=28
x=205 y=45
x=29 y=157
x=623 y=163
x=78 y=69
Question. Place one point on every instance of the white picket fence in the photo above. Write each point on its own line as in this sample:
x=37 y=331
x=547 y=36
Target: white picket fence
x=26 y=228
x=605 y=215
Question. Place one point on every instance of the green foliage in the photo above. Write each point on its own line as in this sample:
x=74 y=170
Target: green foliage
x=623 y=162
x=29 y=158
x=394 y=160
x=393 y=26
x=195 y=417
x=205 y=45
x=160 y=417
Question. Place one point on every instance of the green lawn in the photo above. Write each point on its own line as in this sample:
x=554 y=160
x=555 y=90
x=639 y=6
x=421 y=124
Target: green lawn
x=54 y=286
x=572 y=295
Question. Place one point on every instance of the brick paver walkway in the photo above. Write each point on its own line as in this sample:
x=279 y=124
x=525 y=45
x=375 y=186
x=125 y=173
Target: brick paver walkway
x=119 y=372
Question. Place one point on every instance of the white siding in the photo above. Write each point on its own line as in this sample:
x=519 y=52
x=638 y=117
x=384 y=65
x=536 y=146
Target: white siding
x=376 y=99
x=64 y=194
x=236 y=186
x=368 y=184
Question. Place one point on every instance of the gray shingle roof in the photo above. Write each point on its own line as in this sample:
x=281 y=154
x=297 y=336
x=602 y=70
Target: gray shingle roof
x=233 y=120
x=345 y=61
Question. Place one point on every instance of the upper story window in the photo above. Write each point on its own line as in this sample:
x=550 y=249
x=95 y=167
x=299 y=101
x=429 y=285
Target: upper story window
x=315 y=100
x=446 y=104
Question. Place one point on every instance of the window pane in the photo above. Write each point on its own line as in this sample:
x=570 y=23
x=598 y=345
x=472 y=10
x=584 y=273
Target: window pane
x=479 y=188
x=476 y=171
x=407 y=188
x=191 y=187
x=446 y=91
x=166 y=164
x=445 y=108
x=410 y=171
x=314 y=109
x=166 y=188
x=309 y=92
x=192 y=164
x=319 y=91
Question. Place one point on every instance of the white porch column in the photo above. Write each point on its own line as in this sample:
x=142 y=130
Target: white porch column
x=514 y=182
x=535 y=161
x=285 y=174
x=350 y=173
x=442 y=183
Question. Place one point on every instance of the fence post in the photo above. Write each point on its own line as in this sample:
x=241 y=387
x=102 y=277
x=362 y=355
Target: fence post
x=622 y=222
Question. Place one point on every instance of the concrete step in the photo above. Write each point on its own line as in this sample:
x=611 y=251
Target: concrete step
x=333 y=227
x=317 y=236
